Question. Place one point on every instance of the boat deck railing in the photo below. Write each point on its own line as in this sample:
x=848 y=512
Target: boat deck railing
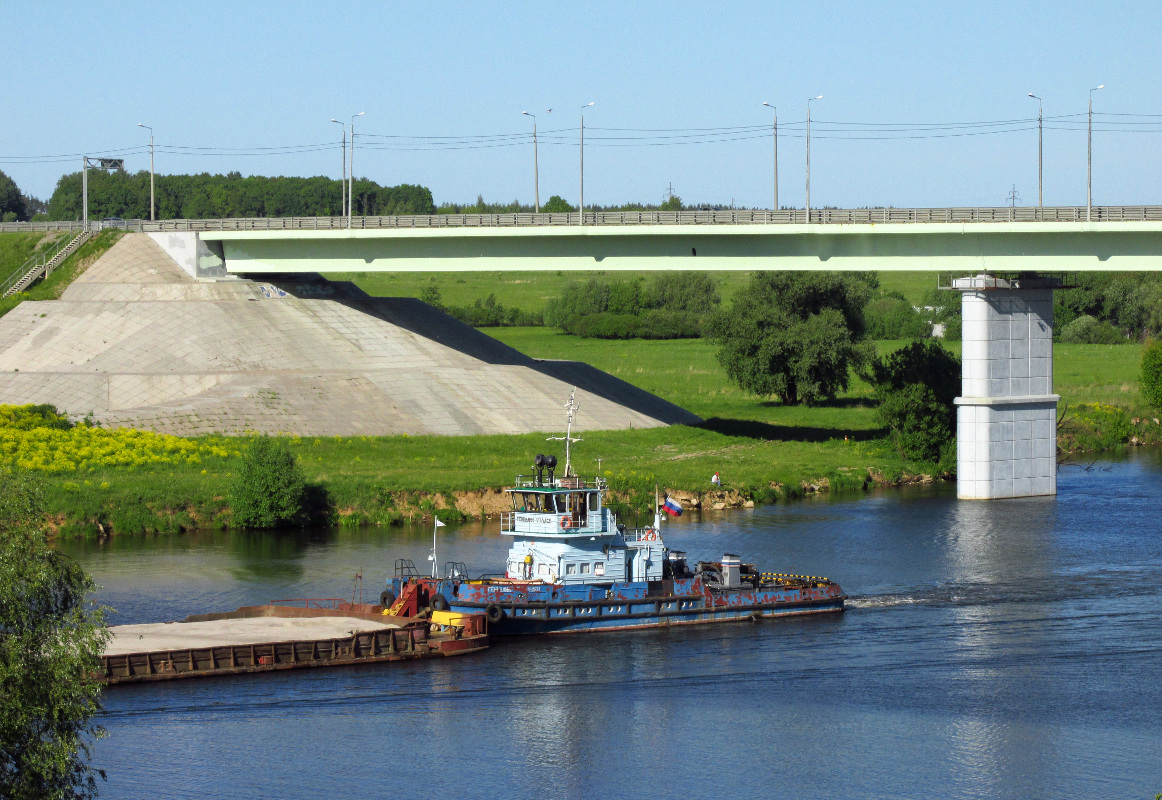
x=571 y=482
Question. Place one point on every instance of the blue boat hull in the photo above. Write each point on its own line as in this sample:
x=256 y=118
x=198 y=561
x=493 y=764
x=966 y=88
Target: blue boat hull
x=525 y=620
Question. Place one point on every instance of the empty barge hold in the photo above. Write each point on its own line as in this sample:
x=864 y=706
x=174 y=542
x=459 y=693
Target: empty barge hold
x=278 y=637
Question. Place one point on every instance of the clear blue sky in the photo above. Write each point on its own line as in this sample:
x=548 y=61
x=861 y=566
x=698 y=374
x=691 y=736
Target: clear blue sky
x=79 y=78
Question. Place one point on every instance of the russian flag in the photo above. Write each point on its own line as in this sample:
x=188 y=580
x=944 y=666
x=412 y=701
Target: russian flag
x=672 y=507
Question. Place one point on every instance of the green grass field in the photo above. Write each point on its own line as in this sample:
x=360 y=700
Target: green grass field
x=530 y=291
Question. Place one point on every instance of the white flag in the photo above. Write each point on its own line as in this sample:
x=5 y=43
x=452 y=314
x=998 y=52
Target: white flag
x=440 y=524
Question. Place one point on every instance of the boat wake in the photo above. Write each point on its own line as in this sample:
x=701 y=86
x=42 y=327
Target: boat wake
x=1042 y=589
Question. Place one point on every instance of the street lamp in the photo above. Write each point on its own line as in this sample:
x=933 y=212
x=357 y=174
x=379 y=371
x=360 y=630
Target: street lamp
x=151 y=205
x=351 y=172
x=343 y=183
x=820 y=97
x=775 y=136
x=581 y=208
x=536 y=173
x=1089 y=168
x=1040 y=196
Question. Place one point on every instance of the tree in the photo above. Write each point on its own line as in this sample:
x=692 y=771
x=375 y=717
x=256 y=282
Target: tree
x=51 y=641
x=12 y=205
x=916 y=387
x=1151 y=378
x=793 y=334
x=557 y=205
x=270 y=490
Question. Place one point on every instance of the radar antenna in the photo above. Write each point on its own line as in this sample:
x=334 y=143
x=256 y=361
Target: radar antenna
x=570 y=409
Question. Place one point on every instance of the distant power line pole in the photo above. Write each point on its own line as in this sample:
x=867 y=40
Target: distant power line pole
x=343 y=183
x=1040 y=195
x=775 y=136
x=1089 y=161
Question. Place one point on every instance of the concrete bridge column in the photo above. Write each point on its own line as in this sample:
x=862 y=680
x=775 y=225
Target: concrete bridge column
x=1006 y=427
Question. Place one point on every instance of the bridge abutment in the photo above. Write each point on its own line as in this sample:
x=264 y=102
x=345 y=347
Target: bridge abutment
x=1007 y=414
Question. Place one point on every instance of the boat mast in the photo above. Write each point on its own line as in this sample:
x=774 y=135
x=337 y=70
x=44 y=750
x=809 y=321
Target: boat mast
x=570 y=408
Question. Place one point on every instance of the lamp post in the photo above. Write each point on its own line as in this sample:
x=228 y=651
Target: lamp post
x=820 y=97
x=351 y=172
x=343 y=183
x=1040 y=195
x=775 y=136
x=1089 y=161
x=151 y=204
x=581 y=207
x=536 y=173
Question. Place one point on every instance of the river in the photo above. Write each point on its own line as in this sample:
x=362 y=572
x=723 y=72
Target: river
x=1006 y=649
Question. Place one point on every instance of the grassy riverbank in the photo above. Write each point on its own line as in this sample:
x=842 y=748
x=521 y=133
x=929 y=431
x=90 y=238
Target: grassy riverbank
x=764 y=450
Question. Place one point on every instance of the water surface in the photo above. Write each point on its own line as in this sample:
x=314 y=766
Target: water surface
x=1006 y=649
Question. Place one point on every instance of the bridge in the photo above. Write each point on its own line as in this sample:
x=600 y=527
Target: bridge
x=1007 y=414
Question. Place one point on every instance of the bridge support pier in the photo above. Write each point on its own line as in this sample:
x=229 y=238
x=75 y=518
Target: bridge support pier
x=1006 y=423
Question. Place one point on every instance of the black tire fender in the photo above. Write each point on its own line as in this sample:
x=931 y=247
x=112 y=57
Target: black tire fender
x=494 y=613
x=386 y=599
x=439 y=602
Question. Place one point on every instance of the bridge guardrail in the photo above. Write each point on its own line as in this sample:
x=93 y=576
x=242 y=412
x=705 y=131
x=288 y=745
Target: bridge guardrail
x=822 y=216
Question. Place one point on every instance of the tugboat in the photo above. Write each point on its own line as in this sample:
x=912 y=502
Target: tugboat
x=572 y=568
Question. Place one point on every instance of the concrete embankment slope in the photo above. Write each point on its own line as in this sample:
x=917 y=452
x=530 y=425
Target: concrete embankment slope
x=138 y=342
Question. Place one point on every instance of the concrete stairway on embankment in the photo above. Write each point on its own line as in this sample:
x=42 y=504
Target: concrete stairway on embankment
x=138 y=342
x=40 y=267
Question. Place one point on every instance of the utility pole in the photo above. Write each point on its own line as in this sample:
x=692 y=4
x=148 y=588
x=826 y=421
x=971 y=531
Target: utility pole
x=775 y=137
x=536 y=169
x=151 y=203
x=351 y=173
x=343 y=183
x=1040 y=193
x=581 y=207
x=1089 y=162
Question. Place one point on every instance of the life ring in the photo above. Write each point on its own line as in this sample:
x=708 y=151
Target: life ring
x=566 y=522
x=439 y=602
x=386 y=599
x=494 y=613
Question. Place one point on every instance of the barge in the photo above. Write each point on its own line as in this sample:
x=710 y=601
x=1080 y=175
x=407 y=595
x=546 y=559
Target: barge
x=275 y=637
x=572 y=567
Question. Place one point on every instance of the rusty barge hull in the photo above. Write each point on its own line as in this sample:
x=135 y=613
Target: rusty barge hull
x=397 y=639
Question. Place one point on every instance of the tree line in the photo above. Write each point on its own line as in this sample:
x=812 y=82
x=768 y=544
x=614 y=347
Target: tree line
x=205 y=196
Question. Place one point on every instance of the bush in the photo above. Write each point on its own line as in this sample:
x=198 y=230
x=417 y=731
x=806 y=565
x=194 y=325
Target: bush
x=891 y=316
x=916 y=386
x=270 y=490
x=1151 y=376
x=671 y=306
x=652 y=324
x=1089 y=330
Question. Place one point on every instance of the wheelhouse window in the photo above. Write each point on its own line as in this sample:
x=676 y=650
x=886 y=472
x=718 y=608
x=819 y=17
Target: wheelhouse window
x=584 y=568
x=570 y=569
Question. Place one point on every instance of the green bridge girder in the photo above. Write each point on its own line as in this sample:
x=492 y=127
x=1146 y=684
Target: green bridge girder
x=952 y=247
